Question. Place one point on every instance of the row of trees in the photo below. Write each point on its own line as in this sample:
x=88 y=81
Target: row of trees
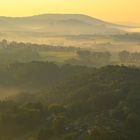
x=104 y=58
x=91 y=58
x=94 y=56
x=12 y=52
x=43 y=47
x=128 y=57
x=36 y=74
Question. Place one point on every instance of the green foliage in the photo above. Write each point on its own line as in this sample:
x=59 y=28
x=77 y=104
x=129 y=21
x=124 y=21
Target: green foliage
x=90 y=104
x=36 y=75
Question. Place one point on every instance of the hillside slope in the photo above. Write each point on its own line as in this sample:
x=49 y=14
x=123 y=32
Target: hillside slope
x=98 y=104
x=57 y=24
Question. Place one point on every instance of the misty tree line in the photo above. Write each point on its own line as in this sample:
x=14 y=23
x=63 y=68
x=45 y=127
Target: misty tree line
x=124 y=57
x=97 y=56
x=11 y=52
x=43 y=47
x=129 y=57
x=94 y=57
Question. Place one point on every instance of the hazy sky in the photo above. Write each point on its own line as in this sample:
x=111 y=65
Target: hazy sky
x=110 y=10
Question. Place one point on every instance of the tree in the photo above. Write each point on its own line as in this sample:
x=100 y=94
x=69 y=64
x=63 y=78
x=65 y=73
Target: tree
x=132 y=122
x=56 y=109
x=42 y=135
x=59 y=124
x=124 y=56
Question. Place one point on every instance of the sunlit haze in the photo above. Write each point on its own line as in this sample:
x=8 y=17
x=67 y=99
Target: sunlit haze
x=110 y=10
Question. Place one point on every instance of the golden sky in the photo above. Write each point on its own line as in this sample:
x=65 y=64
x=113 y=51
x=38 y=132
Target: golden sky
x=109 y=10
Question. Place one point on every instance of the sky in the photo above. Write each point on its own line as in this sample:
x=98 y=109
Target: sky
x=109 y=10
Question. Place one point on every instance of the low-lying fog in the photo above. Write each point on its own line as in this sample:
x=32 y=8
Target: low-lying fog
x=8 y=92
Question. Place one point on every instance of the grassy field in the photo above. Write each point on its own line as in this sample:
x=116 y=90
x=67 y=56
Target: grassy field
x=57 y=56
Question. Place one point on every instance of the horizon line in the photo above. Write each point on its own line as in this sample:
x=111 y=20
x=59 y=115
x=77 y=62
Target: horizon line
x=41 y=14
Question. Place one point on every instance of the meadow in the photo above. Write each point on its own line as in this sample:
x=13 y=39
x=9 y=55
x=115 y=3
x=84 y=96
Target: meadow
x=58 y=56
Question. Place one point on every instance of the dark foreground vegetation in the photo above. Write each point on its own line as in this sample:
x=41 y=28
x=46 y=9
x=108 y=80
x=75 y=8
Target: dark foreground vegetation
x=73 y=103
x=36 y=75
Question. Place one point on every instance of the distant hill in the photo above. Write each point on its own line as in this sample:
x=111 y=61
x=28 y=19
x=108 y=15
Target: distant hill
x=56 y=25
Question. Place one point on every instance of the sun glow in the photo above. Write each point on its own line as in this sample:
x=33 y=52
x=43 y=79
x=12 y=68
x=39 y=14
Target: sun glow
x=111 y=10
